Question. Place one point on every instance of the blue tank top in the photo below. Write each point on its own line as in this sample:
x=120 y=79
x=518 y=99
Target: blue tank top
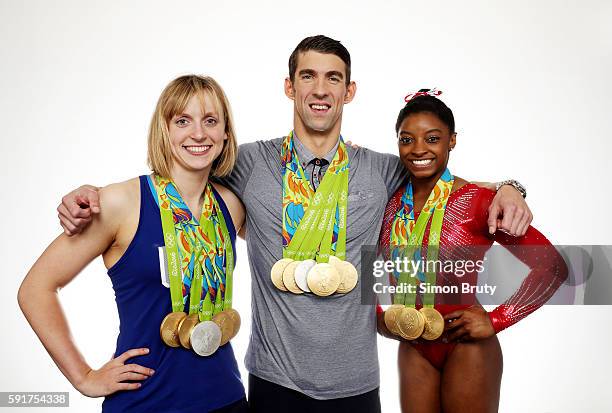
x=183 y=381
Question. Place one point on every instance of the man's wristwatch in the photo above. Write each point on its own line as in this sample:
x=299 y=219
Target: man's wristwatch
x=516 y=184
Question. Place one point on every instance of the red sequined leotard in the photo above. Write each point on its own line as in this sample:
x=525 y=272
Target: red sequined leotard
x=465 y=224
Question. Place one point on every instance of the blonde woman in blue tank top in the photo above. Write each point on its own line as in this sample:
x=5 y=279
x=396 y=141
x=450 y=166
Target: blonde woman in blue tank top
x=191 y=139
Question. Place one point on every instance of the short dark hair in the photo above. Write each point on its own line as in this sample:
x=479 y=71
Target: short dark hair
x=321 y=44
x=427 y=103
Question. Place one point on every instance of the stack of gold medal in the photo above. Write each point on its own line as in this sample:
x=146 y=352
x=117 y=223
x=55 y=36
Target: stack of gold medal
x=308 y=276
x=410 y=323
x=404 y=320
x=206 y=327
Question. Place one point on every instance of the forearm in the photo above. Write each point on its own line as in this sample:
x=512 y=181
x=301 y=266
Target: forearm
x=535 y=290
x=488 y=185
x=547 y=272
x=43 y=311
x=496 y=186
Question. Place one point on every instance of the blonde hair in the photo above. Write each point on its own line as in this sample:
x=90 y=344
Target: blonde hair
x=172 y=102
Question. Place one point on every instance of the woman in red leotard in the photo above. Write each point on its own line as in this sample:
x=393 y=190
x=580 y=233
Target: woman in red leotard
x=460 y=371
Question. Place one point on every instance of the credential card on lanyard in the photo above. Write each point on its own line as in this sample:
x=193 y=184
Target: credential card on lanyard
x=163 y=266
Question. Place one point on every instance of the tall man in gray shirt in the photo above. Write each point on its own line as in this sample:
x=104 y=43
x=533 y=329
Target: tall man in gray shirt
x=308 y=354
x=321 y=348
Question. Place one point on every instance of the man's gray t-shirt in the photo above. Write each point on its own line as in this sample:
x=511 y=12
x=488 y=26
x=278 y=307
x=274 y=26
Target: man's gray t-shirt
x=322 y=347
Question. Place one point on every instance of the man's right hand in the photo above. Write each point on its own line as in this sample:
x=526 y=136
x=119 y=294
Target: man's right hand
x=77 y=209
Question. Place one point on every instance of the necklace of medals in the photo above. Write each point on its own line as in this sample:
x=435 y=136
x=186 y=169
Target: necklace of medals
x=402 y=318
x=200 y=264
x=314 y=228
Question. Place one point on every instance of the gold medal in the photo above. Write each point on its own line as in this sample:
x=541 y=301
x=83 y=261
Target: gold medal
x=276 y=273
x=423 y=320
x=323 y=279
x=185 y=327
x=391 y=315
x=434 y=323
x=289 y=278
x=235 y=317
x=333 y=260
x=168 y=329
x=226 y=325
x=348 y=277
x=410 y=323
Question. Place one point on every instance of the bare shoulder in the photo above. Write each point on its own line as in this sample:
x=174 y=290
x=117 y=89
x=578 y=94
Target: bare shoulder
x=119 y=215
x=120 y=197
x=459 y=183
x=234 y=205
x=119 y=205
x=226 y=193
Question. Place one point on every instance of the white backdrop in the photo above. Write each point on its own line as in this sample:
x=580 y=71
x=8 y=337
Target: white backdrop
x=529 y=83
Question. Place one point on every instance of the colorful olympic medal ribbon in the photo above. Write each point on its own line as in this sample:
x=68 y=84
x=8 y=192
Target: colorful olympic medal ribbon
x=226 y=317
x=188 y=323
x=169 y=328
x=407 y=241
x=324 y=279
x=314 y=227
x=195 y=249
x=184 y=255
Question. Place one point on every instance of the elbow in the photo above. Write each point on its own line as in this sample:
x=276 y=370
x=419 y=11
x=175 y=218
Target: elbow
x=563 y=272
x=22 y=296
x=31 y=293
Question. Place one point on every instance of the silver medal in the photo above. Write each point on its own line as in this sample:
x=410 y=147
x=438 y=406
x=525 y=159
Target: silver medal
x=300 y=274
x=206 y=338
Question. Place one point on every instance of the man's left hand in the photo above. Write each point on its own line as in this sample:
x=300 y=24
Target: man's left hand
x=509 y=212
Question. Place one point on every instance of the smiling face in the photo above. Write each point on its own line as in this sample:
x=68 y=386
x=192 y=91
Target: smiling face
x=424 y=143
x=197 y=134
x=319 y=91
